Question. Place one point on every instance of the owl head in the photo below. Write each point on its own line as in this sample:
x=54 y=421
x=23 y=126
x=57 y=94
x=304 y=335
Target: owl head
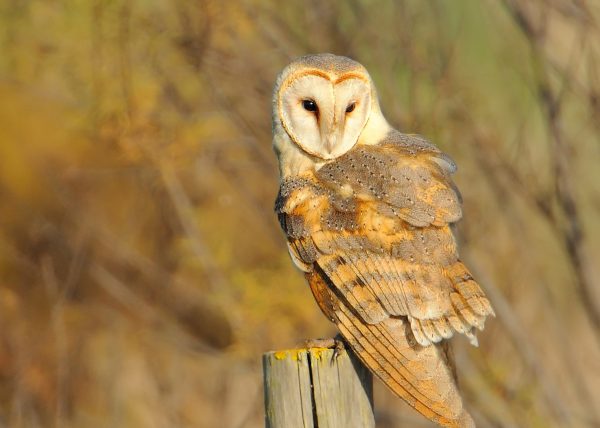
x=322 y=105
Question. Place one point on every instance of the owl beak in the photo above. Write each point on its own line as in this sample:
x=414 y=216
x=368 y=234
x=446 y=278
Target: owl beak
x=328 y=134
x=330 y=142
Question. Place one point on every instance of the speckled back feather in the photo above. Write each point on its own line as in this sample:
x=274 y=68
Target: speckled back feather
x=371 y=229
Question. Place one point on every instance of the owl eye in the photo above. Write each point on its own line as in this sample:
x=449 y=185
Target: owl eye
x=310 y=105
x=350 y=108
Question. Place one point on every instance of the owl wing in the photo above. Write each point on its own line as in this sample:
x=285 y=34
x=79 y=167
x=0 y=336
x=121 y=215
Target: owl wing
x=376 y=223
x=372 y=232
x=418 y=374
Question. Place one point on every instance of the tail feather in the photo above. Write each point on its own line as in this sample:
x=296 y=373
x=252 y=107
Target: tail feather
x=421 y=375
x=418 y=374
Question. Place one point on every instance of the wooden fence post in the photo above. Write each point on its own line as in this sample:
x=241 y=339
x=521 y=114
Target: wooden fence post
x=308 y=388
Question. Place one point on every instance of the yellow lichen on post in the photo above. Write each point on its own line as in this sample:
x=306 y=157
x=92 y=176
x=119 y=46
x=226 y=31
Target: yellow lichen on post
x=280 y=355
x=318 y=352
x=307 y=388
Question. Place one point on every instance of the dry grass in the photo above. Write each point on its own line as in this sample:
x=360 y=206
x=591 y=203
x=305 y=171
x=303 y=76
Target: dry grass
x=143 y=272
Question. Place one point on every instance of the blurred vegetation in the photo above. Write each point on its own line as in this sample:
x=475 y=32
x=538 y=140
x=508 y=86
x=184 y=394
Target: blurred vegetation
x=143 y=272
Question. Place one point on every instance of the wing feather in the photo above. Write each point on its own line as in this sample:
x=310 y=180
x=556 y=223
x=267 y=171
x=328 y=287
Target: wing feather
x=413 y=185
x=413 y=372
x=405 y=265
x=422 y=292
x=378 y=251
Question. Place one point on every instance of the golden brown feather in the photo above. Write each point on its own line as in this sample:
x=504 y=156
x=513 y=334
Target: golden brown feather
x=367 y=212
x=386 y=270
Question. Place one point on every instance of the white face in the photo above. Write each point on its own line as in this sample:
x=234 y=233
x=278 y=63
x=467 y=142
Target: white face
x=325 y=118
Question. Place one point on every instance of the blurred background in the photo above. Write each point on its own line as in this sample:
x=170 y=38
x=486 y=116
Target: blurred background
x=143 y=272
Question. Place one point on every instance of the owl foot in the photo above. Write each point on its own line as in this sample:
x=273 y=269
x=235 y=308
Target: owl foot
x=336 y=343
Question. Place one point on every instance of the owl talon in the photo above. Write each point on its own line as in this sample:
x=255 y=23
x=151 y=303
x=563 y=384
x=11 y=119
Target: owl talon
x=319 y=343
x=340 y=346
x=336 y=343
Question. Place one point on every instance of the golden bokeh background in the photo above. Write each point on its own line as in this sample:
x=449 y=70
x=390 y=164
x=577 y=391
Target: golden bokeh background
x=143 y=272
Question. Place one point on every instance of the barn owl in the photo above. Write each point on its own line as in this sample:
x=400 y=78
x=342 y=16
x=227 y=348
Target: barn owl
x=367 y=211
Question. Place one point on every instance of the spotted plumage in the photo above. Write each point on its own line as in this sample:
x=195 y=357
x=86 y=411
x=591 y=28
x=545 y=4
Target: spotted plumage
x=369 y=224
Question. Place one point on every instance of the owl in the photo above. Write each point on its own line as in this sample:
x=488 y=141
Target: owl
x=367 y=213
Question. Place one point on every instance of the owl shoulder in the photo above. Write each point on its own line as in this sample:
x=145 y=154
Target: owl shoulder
x=417 y=146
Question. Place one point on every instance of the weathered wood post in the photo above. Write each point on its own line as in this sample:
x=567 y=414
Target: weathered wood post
x=309 y=388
